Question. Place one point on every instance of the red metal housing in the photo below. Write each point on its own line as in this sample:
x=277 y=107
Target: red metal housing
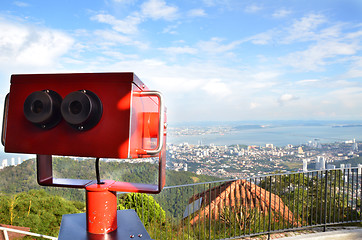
x=132 y=125
x=127 y=126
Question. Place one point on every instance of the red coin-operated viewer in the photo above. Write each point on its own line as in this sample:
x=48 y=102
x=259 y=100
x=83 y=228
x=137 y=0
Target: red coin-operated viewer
x=100 y=115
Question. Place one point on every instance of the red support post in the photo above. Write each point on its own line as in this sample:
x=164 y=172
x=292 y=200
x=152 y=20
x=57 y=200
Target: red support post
x=101 y=208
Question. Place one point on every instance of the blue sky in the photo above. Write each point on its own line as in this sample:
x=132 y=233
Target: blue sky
x=220 y=60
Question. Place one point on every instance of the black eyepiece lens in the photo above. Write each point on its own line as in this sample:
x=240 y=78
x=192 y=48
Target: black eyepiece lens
x=75 y=107
x=82 y=109
x=42 y=108
x=37 y=106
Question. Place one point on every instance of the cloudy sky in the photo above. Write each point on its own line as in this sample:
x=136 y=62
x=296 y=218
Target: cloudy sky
x=213 y=60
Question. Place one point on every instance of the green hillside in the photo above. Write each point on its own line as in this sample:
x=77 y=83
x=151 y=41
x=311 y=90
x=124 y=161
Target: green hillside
x=22 y=178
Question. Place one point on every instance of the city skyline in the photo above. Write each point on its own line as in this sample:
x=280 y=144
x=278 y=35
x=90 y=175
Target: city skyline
x=217 y=60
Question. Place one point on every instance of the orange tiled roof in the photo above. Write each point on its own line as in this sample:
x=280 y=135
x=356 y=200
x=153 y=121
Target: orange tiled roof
x=242 y=194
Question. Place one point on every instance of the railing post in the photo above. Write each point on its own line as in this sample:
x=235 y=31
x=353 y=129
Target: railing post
x=325 y=200
x=6 y=236
x=270 y=207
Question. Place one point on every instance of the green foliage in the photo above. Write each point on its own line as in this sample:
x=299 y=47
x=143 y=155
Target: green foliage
x=147 y=209
x=22 y=178
x=315 y=198
x=36 y=209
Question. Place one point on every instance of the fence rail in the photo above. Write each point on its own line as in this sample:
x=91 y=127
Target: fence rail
x=5 y=231
x=260 y=205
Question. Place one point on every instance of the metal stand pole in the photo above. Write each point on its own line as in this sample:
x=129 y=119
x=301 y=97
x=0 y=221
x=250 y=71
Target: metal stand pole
x=101 y=208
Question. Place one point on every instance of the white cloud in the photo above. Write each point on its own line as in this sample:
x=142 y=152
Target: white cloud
x=158 y=9
x=254 y=105
x=21 y=4
x=253 y=8
x=281 y=13
x=124 y=1
x=179 y=50
x=285 y=98
x=31 y=46
x=347 y=98
x=127 y=26
x=317 y=56
x=196 y=13
x=304 y=29
x=214 y=45
x=211 y=3
x=217 y=88
x=112 y=38
x=171 y=29
x=308 y=81
x=154 y=9
x=262 y=38
x=355 y=70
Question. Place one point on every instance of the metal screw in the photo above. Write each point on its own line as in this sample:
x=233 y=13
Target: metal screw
x=131 y=236
x=80 y=128
x=47 y=91
x=43 y=126
x=140 y=235
x=143 y=86
x=84 y=91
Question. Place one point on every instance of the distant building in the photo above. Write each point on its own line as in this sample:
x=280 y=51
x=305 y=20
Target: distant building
x=269 y=145
x=314 y=144
x=305 y=165
x=300 y=150
x=320 y=163
x=331 y=167
x=354 y=146
x=4 y=163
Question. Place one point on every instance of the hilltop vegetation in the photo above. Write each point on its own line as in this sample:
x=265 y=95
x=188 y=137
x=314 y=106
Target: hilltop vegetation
x=37 y=209
x=22 y=178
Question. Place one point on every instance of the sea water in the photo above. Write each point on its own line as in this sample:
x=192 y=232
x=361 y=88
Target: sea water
x=279 y=136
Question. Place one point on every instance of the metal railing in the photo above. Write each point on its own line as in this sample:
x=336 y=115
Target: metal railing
x=259 y=205
x=5 y=231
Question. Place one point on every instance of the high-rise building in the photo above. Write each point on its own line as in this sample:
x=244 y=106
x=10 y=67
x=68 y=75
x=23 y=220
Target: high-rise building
x=320 y=163
x=4 y=163
x=305 y=165
x=355 y=146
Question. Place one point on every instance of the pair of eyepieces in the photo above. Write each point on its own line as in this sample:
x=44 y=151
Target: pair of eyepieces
x=81 y=109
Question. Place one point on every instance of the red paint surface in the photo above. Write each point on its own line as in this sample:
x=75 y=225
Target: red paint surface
x=101 y=208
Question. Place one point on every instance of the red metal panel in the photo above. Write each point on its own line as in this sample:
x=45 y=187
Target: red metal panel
x=111 y=137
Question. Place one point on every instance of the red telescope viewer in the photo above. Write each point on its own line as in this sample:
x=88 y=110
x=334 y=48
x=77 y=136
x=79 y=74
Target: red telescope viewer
x=101 y=115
